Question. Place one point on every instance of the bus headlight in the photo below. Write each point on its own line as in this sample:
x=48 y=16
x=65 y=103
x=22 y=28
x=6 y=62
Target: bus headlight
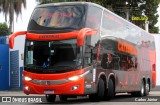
x=27 y=78
x=75 y=78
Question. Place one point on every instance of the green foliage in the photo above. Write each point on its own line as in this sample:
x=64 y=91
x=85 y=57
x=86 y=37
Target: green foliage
x=151 y=11
x=4 y=29
x=11 y=7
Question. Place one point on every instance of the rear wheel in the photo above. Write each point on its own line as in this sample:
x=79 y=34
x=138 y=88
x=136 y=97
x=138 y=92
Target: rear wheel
x=110 y=93
x=100 y=92
x=147 y=88
x=63 y=97
x=142 y=90
x=50 y=98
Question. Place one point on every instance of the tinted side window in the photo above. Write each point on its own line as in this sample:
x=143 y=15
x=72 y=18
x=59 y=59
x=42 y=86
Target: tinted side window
x=127 y=62
x=93 y=21
x=112 y=26
x=94 y=15
x=110 y=61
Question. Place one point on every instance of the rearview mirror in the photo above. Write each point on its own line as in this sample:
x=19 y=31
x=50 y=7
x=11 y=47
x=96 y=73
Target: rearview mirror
x=82 y=33
x=12 y=37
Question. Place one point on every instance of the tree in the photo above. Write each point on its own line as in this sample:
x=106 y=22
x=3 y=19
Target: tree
x=11 y=7
x=4 y=30
x=150 y=10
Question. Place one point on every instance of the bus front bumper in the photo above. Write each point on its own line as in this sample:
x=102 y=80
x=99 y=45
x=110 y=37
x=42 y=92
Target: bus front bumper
x=68 y=88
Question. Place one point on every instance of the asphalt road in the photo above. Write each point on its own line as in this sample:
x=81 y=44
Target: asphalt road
x=120 y=99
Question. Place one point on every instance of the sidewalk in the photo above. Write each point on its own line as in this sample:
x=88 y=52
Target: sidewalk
x=157 y=88
x=17 y=93
x=13 y=93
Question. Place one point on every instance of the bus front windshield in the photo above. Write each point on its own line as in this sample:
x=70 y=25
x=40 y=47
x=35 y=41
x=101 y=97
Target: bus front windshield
x=52 y=18
x=52 y=56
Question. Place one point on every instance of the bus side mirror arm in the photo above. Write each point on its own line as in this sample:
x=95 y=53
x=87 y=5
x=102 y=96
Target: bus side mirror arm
x=12 y=37
x=82 y=33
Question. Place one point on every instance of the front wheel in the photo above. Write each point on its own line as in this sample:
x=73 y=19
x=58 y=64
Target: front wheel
x=63 y=97
x=50 y=97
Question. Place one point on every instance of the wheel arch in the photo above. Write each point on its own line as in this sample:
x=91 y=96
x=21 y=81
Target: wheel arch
x=111 y=76
x=102 y=75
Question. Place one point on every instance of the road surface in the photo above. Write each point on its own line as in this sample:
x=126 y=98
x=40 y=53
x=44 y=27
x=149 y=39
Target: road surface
x=120 y=99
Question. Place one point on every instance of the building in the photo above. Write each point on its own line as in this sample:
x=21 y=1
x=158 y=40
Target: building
x=16 y=63
x=4 y=64
x=157 y=40
x=11 y=64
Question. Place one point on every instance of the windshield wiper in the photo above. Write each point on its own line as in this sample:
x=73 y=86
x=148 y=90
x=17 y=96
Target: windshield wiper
x=65 y=66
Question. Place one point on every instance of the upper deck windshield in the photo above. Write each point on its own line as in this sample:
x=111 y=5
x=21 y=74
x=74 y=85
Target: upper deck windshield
x=52 y=18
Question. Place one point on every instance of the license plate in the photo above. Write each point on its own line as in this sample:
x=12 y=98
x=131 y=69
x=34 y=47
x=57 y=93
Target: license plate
x=49 y=92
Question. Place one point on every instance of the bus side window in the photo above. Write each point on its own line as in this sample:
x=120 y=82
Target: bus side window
x=94 y=17
x=104 y=61
x=116 y=60
x=128 y=62
x=134 y=60
x=88 y=55
x=123 y=63
x=110 y=61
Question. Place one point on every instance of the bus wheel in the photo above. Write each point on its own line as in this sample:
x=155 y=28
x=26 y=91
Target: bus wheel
x=100 y=92
x=146 y=89
x=142 y=91
x=63 y=97
x=110 y=91
x=50 y=97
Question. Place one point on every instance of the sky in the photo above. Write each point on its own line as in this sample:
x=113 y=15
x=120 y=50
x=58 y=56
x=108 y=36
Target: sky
x=21 y=23
x=158 y=24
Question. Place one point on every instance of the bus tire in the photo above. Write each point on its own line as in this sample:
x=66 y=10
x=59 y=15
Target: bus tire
x=63 y=97
x=110 y=91
x=146 y=89
x=100 y=92
x=50 y=97
x=142 y=90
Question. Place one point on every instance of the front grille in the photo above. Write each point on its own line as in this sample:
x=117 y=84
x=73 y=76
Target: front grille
x=49 y=82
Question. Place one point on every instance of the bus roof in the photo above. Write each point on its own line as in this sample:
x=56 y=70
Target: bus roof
x=94 y=4
x=62 y=3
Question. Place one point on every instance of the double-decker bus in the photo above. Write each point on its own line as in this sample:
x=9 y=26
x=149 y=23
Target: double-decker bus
x=81 y=48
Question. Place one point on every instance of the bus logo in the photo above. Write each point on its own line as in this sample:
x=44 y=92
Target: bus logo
x=48 y=36
x=48 y=83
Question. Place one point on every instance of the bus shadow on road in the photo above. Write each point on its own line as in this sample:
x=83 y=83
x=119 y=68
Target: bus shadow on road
x=84 y=100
